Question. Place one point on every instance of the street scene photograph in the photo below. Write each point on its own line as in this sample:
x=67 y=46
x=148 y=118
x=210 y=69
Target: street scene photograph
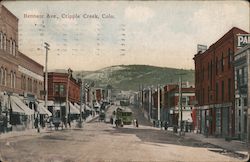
x=124 y=81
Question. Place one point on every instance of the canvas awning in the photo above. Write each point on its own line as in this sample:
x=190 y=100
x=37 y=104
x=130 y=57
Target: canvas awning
x=43 y=110
x=78 y=107
x=16 y=109
x=73 y=109
x=50 y=103
x=86 y=107
x=186 y=116
x=21 y=105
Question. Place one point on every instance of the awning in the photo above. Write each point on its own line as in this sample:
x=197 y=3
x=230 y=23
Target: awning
x=21 y=105
x=43 y=110
x=73 y=109
x=186 y=116
x=56 y=108
x=78 y=107
x=50 y=103
x=87 y=107
x=16 y=109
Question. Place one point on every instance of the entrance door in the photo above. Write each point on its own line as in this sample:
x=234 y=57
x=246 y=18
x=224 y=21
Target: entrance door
x=225 y=121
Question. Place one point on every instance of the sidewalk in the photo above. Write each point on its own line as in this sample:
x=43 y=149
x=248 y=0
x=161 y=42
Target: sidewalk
x=234 y=145
x=33 y=132
x=27 y=132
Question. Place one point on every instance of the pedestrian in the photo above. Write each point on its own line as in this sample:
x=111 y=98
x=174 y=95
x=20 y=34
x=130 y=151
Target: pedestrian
x=166 y=125
x=133 y=122
x=36 y=123
x=116 y=123
x=111 y=120
x=161 y=124
x=5 y=124
x=69 y=122
x=153 y=123
x=136 y=123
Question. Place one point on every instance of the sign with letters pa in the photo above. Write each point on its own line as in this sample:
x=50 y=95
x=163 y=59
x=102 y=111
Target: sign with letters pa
x=242 y=40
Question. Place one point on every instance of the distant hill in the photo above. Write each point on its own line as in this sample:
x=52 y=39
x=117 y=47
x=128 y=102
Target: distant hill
x=128 y=77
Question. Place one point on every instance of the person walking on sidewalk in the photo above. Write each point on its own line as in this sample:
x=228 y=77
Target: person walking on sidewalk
x=136 y=123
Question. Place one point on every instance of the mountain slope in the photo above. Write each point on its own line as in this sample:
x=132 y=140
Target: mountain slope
x=128 y=77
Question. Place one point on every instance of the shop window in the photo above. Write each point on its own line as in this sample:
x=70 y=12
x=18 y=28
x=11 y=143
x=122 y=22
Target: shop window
x=245 y=101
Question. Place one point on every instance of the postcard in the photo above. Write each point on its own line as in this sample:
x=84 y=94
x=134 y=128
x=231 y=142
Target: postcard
x=124 y=81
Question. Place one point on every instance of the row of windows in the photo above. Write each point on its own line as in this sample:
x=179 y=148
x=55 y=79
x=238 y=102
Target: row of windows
x=201 y=94
x=4 y=77
x=219 y=66
x=59 y=89
x=30 y=85
x=11 y=47
x=241 y=78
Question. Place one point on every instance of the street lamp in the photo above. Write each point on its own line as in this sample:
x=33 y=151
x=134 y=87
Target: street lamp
x=46 y=81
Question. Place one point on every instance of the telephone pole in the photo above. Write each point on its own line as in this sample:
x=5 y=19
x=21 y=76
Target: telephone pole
x=180 y=104
x=46 y=82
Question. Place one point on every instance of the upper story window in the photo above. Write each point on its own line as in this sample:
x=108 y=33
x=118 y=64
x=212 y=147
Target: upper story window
x=222 y=62
x=14 y=48
x=4 y=42
x=216 y=66
x=14 y=80
x=59 y=89
x=5 y=77
x=11 y=79
x=10 y=46
x=229 y=58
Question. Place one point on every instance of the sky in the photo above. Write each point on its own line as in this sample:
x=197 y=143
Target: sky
x=90 y=35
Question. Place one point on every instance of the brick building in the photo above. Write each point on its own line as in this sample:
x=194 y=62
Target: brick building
x=59 y=84
x=214 y=83
x=21 y=78
x=171 y=95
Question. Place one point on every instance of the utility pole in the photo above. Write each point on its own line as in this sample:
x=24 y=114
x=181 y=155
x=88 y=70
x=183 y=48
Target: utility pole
x=46 y=82
x=149 y=103
x=81 y=97
x=67 y=97
x=158 y=90
x=180 y=103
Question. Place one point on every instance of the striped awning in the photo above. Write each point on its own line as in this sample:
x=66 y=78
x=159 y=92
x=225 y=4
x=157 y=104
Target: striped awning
x=16 y=109
x=43 y=110
x=73 y=109
x=21 y=105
